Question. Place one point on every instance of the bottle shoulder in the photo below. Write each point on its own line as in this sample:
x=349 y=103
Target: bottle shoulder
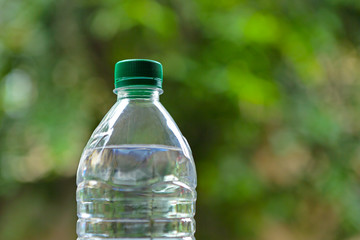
x=138 y=122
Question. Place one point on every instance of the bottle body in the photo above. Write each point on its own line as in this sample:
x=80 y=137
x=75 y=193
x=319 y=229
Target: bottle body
x=136 y=178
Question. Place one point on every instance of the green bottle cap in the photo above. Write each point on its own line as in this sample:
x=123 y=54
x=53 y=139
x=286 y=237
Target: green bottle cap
x=138 y=72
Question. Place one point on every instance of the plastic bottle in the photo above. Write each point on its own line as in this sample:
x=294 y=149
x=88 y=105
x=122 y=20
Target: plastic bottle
x=136 y=177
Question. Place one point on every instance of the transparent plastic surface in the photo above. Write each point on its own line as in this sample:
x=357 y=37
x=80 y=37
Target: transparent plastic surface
x=136 y=178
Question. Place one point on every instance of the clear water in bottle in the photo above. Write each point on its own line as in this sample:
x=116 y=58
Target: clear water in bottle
x=142 y=192
x=136 y=177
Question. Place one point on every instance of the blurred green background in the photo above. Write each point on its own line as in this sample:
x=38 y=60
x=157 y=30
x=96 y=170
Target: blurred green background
x=266 y=92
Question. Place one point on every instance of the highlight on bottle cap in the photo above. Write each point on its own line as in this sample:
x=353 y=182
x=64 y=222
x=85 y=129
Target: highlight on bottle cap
x=138 y=72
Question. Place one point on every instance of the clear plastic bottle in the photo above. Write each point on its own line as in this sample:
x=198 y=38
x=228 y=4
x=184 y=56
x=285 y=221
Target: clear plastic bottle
x=136 y=178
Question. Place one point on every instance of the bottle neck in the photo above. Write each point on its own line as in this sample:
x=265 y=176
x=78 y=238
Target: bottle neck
x=145 y=93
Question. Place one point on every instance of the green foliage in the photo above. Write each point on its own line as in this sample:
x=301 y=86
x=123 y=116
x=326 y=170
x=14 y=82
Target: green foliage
x=265 y=91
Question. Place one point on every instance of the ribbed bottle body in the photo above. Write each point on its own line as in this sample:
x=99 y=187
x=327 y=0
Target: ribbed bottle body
x=136 y=192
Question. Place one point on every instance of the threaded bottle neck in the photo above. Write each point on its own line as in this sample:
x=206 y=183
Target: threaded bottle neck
x=144 y=93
